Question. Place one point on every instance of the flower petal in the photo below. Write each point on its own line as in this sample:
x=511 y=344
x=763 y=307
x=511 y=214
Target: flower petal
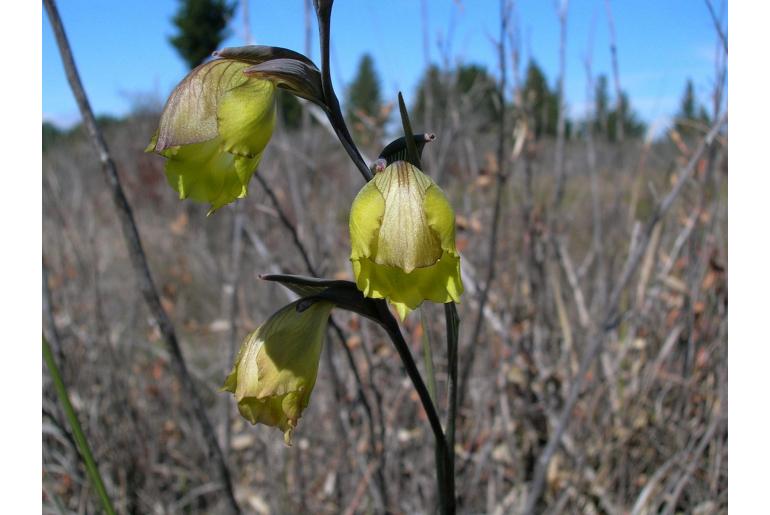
x=365 y=218
x=441 y=217
x=439 y=283
x=203 y=172
x=190 y=114
x=405 y=240
x=246 y=117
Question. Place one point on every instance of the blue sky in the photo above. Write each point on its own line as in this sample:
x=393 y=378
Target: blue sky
x=123 y=53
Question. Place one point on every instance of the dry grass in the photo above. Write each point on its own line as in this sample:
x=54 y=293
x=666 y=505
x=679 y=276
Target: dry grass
x=649 y=431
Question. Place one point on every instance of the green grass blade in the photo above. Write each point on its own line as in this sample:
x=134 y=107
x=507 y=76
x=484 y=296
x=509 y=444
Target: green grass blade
x=77 y=431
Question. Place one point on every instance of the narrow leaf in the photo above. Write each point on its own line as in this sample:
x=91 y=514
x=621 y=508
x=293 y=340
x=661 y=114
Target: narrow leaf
x=344 y=294
x=413 y=156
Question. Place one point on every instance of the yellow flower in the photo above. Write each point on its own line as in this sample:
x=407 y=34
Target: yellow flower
x=276 y=368
x=402 y=234
x=213 y=130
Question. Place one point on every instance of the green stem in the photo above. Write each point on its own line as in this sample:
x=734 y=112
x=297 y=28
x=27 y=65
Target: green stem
x=77 y=432
x=427 y=355
x=452 y=336
x=324 y=15
x=390 y=325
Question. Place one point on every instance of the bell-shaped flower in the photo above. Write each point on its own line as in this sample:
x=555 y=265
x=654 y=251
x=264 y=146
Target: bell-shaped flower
x=275 y=371
x=213 y=130
x=402 y=234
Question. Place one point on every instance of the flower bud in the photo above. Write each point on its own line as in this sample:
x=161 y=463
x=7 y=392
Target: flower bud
x=276 y=368
x=402 y=234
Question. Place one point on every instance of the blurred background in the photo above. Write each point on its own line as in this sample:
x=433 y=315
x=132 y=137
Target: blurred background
x=561 y=128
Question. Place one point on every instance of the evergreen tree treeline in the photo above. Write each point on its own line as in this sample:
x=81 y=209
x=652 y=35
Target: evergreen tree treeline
x=364 y=102
x=201 y=26
x=692 y=117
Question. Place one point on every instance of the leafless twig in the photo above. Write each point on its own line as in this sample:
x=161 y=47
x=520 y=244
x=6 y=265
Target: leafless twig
x=717 y=25
x=502 y=177
x=562 y=120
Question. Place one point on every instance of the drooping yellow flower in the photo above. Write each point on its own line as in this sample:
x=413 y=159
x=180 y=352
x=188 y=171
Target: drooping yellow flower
x=402 y=234
x=276 y=368
x=213 y=130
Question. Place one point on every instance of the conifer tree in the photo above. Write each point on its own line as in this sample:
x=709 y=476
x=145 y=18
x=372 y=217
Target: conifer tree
x=432 y=87
x=601 y=108
x=632 y=126
x=541 y=102
x=364 y=101
x=690 y=114
x=468 y=81
x=201 y=26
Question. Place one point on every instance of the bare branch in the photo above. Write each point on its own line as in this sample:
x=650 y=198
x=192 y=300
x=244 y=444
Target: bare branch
x=502 y=177
x=717 y=25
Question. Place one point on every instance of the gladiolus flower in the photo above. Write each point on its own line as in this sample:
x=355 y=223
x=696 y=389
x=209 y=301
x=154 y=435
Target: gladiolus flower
x=213 y=130
x=276 y=368
x=402 y=234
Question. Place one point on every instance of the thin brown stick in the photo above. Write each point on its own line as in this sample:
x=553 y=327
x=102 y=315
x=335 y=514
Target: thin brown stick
x=690 y=469
x=502 y=177
x=596 y=209
x=616 y=76
x=138 y=257
x=717 y=25
x=561 y=122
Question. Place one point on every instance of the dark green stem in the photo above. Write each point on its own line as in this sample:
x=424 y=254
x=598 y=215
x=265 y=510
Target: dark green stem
x=446 y=487
x=324 y=13
x=77 y=431
x=427 y=355
x=431 y=377
x=411 y=147
x=452 y=337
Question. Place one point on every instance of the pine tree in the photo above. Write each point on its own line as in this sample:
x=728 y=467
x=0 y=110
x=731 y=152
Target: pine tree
x=632 y=126
x=201 y=28
x=51 y=134
x=690 y=114
x=468 y=81
x=540 y=101
x=431 y=87
x=364 y=102
x=474 y=80
x=601 y=108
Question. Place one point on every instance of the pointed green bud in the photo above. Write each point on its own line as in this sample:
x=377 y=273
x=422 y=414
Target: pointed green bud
x=402 y=235
x=276 y=368
x=213 y=130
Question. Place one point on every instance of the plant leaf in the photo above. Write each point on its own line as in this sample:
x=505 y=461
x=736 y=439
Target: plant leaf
x=296 y=76
x=344 y=294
